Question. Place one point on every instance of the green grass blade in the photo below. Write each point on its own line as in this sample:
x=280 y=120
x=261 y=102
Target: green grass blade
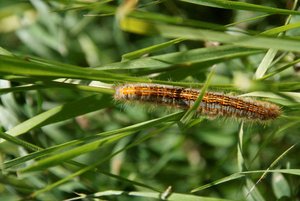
x=220 y=181
x=237 y=5
x=242 y=174
x=50 y=70
x=5 y=52
x=153 y=195
x=263 y=42
x=254 y=193
x=18 y=66
x=287 y=171
x=17 y=141
x=60 y=113
x=271 y=166
x=295 y=172
x=265 y=63
x=240 y=157
x=90 y=146
x=23 y=88
x=269 y=57
x=93 y=166
x=65 y=156
x=52 y=84
x=153 y=48
x=191 y=111
x=182 y=60
x=132 y=128
x=281 y=29
x=280 y=69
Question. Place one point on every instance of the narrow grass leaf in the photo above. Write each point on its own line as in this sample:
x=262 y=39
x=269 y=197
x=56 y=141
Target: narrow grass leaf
x=265 y=63
x=240 y=157
x=242 y=174
x=153 y=195
x=237 y=5
x=123 y=179
x=17 y=141
x=287 y=171
x=273 y=135
x=162 y=18
x=5 y=52
x=53 y=84
x=63 y=112
x=269 y=57
x=97 y=141
x=94 y=165
x=282 y=86
x=44 y=69
x=253 y=193
x=132 y=128
x=272 y=165
x=182 y=60
x=281 y=29
x=263 y=42
x=219 y=181
x=283 y=171
x=67 y=155
x=280 y=69
x=16 y=66
x=150 y=49
x=192 y=110
x=20 y=88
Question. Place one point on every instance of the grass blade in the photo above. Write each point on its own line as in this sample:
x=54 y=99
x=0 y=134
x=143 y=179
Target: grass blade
x=263 y=42
x=242 y=6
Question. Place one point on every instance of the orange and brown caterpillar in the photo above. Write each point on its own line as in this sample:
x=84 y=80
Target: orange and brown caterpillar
x=213 y=103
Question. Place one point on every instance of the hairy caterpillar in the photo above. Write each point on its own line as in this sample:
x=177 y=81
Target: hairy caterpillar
x=213 y=104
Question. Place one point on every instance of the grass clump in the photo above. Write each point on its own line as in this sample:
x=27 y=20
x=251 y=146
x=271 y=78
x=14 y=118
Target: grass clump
x=64 y=137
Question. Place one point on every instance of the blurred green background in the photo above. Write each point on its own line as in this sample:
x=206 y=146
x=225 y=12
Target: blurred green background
x=63 y=135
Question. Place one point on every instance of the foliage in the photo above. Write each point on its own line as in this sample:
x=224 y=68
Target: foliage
x=64 y=137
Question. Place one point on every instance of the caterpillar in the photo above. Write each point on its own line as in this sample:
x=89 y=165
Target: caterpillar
x=213 y=104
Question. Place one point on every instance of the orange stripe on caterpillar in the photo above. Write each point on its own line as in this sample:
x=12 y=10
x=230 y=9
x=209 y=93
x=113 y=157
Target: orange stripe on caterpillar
x=213 y=103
